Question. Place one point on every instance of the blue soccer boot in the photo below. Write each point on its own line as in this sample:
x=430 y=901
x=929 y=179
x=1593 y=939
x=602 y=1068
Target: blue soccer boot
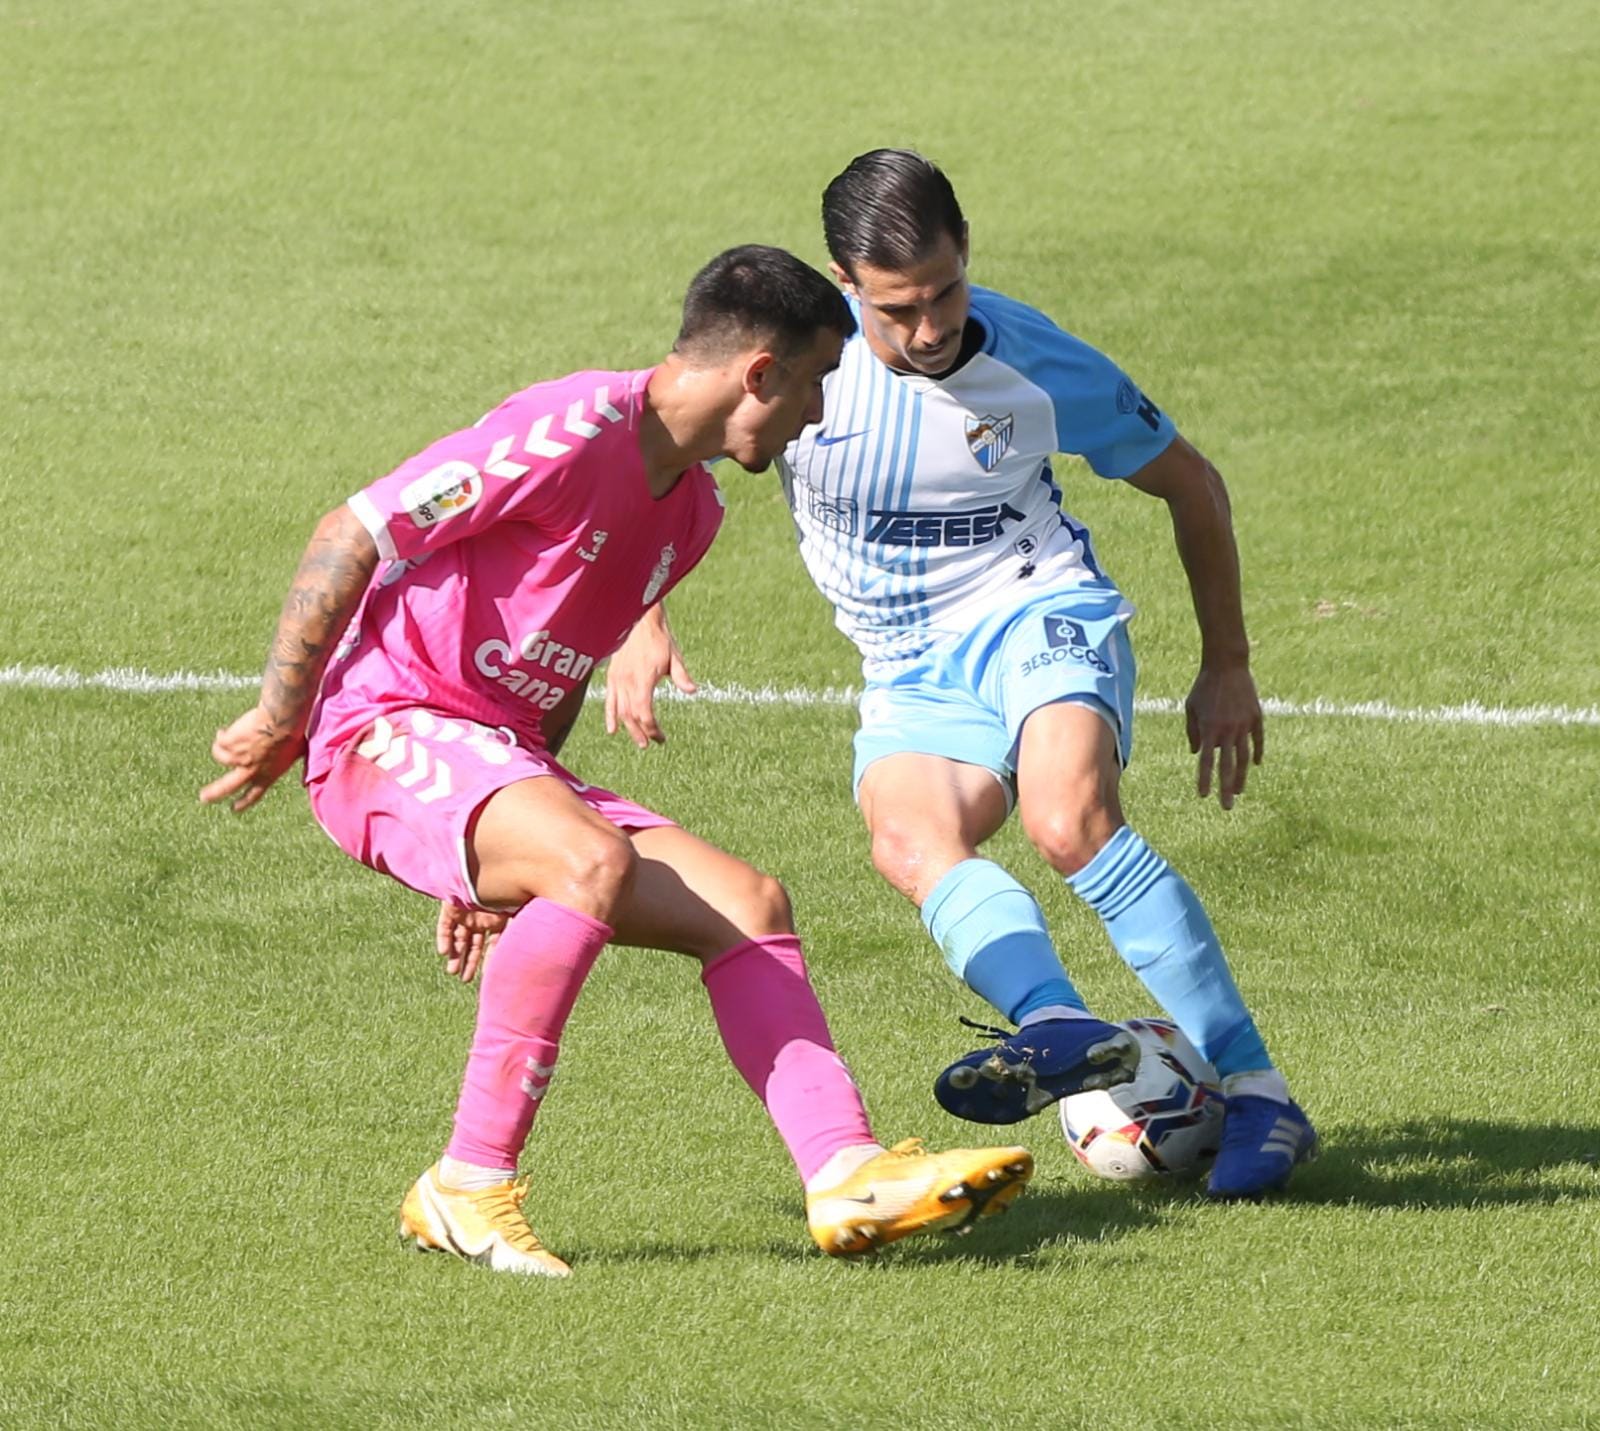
x=1262 y=1141
x=1035 y=1066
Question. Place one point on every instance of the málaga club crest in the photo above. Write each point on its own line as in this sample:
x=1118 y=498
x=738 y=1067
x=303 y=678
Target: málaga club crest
x=989 y=437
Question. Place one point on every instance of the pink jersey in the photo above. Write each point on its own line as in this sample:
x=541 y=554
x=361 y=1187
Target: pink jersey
x=518 y=553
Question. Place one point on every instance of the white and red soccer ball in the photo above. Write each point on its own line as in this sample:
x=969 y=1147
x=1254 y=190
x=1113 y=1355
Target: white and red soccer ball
x=1167 y=1120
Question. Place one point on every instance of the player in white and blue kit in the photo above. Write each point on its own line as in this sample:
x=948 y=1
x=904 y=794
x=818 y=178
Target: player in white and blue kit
x=997 y=661
x=996 y=654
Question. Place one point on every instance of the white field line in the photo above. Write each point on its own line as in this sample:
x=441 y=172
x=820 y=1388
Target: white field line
x=134 y=681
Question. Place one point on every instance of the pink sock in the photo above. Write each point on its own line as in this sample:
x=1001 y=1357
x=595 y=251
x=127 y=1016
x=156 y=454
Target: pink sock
x=778 y=1039
x=525 y=995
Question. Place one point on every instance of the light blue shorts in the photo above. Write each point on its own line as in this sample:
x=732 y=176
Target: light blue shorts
x=966 y=700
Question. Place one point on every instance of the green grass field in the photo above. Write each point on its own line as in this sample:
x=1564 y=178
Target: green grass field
x=258 y=253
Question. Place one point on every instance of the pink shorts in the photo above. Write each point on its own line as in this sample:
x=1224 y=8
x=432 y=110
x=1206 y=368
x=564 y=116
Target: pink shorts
x=401 y=797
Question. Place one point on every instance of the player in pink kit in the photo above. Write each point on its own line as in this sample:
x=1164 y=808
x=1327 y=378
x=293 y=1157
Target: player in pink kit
x=471 y=593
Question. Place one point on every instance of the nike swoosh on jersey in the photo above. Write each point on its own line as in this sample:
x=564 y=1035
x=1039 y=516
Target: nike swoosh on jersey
x=827 y=439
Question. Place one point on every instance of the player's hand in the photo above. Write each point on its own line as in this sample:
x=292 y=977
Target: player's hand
x=649 y=656
x=1225 y=730
x=257 y=750
x=464 y=937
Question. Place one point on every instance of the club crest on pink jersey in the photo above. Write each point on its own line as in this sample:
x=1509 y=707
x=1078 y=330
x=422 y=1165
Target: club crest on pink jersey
x=658 y=577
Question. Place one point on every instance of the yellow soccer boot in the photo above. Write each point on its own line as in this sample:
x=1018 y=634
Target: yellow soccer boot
x=484 y=1226
x=907 y=1190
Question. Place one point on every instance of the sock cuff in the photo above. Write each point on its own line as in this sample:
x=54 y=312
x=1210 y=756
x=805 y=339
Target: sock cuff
x=590 y=928
x=1119 y=875
x=967 y=886
x=785 y=948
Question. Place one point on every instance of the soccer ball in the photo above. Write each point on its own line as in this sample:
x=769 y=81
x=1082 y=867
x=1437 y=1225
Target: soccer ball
x=1167 y=1120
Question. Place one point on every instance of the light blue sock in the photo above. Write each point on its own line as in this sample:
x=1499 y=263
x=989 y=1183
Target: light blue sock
x=993 y=937
x=1159 y=927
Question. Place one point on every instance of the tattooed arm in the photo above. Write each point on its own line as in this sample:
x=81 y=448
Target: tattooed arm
x=266 y=740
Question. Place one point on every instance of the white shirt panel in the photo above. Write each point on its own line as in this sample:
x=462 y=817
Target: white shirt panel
x=922 y=505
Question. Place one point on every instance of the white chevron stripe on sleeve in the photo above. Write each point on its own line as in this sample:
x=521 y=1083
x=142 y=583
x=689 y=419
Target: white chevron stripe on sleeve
x=540 y=444
x=500 y=464
x=575 y=423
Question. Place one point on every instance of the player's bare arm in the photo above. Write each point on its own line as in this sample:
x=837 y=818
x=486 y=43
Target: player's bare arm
x=267 y=739
x=649 y=656
x=1223 y=709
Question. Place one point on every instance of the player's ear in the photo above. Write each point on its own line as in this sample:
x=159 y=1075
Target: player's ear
x=842 y=278
x=966 y=244
x=760 y=373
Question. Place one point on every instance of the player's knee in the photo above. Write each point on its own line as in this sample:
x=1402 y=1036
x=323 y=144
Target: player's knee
x=1070 y=834
x=898 y=854
x=609 y=866
x=597 y=871
x=762 y=907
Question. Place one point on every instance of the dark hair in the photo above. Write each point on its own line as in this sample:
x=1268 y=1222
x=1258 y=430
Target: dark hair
x=888 y=208
x=759 y=294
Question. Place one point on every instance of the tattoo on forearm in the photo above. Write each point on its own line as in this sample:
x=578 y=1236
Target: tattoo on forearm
x=328 y=586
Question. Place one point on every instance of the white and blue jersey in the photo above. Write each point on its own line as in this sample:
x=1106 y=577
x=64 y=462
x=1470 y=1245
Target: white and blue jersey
x=923 y=505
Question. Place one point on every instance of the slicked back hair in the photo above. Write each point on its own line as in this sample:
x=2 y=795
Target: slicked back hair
x=758 y=295
x=889 y=208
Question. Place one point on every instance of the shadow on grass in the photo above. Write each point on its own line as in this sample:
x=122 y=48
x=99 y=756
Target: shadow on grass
x=1441 y=1163
x=797 y=1249
x=1045 y=1218
x=1420 y=1164
x=1055 y=1219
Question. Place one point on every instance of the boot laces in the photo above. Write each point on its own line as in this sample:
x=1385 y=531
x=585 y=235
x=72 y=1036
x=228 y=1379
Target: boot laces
x=908 y=1148
x=990 y=1029
x=502 y=1206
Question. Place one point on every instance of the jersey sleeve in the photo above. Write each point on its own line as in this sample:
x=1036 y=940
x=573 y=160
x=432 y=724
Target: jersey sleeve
x=1100 y=413
x=516 y=464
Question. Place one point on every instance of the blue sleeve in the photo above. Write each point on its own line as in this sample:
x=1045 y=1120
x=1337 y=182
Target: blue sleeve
x=1100 y=412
